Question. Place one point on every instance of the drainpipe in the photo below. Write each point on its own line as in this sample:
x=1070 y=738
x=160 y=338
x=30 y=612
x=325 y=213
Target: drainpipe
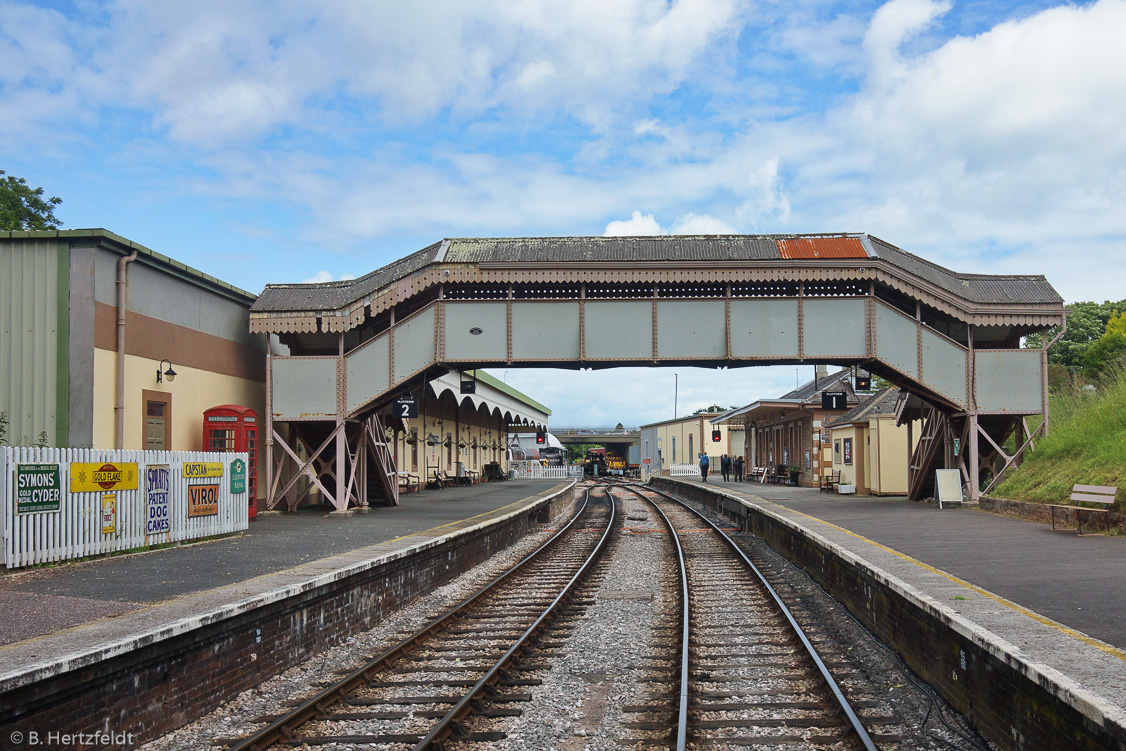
x=119 y=399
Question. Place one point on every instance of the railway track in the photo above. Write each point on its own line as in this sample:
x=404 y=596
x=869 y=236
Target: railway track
x=739 y=669
x=421 y=692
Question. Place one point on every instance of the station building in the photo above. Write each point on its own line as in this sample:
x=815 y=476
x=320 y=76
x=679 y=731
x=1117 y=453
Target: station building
x=791 y=431
x=681 y=441
x=107 y=344
x=458 y=434
x=869 y=448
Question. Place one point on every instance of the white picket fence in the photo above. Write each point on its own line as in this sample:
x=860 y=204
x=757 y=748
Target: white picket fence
x=534 y=470
x=75 y=530
x=684 y=470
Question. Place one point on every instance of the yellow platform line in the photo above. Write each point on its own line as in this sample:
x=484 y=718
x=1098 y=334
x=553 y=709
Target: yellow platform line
x=1108 y=649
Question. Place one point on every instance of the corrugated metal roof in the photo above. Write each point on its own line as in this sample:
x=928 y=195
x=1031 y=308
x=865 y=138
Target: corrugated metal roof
x=881 y=404
x=612 y=249
x=979 y=288
x=821 y=247
x=575 y=251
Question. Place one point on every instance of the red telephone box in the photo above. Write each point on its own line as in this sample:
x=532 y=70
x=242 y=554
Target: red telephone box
x=234 y=428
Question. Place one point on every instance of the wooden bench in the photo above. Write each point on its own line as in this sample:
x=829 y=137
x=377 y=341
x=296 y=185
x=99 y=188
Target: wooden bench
x=830 y=481
x=1103 y=494
x=410 y=483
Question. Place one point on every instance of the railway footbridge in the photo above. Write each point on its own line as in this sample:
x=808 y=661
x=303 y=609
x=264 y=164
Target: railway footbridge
x=952 y=340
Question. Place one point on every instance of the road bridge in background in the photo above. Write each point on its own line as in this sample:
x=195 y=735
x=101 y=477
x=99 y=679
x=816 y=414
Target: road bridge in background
x=597 y=436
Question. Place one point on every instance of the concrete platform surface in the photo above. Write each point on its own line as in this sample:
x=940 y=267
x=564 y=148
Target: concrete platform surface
x=1058 y=598
x=46 y=600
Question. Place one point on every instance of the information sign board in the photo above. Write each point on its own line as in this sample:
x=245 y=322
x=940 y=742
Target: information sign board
x=38 y=488
x=158 y=479
x=948 y=486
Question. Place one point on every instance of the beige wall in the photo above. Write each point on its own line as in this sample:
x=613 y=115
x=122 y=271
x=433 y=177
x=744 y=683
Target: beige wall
x=467 y=424
x=884 y=456
x=699 y=430
x=193 y=392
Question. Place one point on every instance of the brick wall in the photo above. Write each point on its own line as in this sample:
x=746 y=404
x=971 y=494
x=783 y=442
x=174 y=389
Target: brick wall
x=158 y=687
x=1007 y=701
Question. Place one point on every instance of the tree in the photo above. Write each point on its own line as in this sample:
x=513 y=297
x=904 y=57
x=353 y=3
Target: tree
x=1085 y=326
x=1110 y=347
x=23 y=207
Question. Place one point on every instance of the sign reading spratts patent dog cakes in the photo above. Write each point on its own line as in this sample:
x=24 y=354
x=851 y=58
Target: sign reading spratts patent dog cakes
x=38 y=488
x=88 y=477
x=158 y=479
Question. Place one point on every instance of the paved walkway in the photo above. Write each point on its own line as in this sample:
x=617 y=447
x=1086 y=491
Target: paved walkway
x=42 y=601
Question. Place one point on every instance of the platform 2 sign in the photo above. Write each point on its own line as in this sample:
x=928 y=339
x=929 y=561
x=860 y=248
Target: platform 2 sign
x=157 y=484
x=203 y=500
x=87 y=477
x=406 y=408
x=38 y=488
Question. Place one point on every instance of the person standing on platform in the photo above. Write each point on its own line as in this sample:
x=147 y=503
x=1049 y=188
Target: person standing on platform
x=738 y=467
x=725 y=467
x=704 y=466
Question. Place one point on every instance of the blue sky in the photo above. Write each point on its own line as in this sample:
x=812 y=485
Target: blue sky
x=291 y=141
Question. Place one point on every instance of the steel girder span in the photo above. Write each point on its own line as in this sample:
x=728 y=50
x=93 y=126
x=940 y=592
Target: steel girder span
x=952 y=340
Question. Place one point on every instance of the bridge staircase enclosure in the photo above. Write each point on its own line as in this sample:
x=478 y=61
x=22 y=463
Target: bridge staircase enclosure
x=438 y=311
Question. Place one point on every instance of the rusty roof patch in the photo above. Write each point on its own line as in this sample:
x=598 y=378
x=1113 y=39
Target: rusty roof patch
x=821 y=247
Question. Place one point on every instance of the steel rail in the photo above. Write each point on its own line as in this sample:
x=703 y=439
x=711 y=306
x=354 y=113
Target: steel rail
x=282 y=729
x=452 y=720
x=842 y=700
x=685 y=633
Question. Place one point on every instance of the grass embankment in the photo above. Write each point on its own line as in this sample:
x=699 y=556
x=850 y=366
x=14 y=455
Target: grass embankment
x=1087 y=445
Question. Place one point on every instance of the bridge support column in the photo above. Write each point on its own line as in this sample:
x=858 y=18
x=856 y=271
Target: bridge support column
x=975 y=459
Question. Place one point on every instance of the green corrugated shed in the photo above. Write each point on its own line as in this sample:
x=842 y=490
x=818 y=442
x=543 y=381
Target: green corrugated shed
x=31 y=340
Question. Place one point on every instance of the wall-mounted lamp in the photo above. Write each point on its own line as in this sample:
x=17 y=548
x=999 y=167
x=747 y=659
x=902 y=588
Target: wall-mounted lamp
x=170 y=373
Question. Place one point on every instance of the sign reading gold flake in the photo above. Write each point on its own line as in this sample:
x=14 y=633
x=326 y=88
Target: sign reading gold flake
x=93 y=477
x=202 y=469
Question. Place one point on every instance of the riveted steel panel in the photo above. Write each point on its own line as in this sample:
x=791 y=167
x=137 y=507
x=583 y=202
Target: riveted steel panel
x=476 y=331
x=896 y=340
x=366 y=370
x=691 y=329
x=944 y=366
x=764 y=328
x=833 y=328
x=545 y=331
x=1008 y=381
x=619 y=330
x=303 y=388
x=414 y=344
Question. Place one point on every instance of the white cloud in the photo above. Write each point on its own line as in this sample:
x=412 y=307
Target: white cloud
x=637 y=225
x=326 y=276
x=688 y=224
